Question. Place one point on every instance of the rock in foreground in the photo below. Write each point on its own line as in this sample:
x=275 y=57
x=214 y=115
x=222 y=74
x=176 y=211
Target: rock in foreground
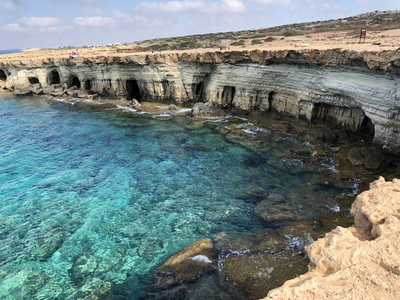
x=360 y=262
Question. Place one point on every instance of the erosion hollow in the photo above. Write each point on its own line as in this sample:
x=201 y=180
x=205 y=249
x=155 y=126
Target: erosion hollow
x=54 y=77
x=88 y=85
x=76 y=82
x=133 y=90
x=3 y=75
x=33 y=80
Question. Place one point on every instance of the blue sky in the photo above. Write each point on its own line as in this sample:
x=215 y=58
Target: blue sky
x=53 y=23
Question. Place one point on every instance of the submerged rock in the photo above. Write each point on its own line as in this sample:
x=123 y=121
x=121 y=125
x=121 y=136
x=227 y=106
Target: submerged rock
x=275 y=208
x=257 y=274
x=263 y=240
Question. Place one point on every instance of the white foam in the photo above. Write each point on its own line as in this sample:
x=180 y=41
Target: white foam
x=126 y=108
x=249 y=131
x=184 y=110
x=201 y=258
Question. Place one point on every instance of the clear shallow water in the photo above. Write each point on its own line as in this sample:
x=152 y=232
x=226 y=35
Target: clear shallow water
x=123 y=192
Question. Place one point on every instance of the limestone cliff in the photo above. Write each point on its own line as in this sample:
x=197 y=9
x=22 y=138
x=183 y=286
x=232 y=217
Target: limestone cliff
x=360 y=262
x=358 y=91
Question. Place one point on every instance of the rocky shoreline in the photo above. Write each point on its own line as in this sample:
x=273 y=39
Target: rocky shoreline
x=359 y=262
x=356 y=91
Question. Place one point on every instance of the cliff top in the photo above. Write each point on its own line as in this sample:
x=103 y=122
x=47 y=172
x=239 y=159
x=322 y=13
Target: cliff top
x=383 y=33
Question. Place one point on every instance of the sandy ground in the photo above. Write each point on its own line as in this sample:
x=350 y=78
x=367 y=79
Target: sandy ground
x=375 y=41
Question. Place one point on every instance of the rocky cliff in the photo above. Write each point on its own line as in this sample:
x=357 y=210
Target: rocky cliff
x=360 y=262
x=358 y=91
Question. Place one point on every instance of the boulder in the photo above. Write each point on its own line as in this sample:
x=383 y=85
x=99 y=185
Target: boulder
x=186 y=266
x=368 y=157
x=202 y=110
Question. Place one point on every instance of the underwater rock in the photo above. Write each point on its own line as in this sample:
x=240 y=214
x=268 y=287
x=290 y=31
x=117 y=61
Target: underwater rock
x=367 y=157
x=82 y=269
x=187 y=265
x=274 y=208
x=263 y=240
x=257 y=274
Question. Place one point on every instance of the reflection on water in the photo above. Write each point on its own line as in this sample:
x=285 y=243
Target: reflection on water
x=93 y=200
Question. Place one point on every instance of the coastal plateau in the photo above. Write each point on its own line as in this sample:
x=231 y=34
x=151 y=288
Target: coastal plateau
x=358 y=91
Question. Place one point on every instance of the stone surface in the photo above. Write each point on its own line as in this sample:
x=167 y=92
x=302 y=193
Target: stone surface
x=360 y=262
x=187 y=265
x=256 y=274
x=275 y=208
x=201 y=110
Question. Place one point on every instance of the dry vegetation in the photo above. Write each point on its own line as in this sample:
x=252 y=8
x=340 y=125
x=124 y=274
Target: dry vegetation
x=383 y=31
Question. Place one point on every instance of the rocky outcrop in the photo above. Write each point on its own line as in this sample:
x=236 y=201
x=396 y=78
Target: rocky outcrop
x=186 y=266
x=357 y=91
x=360 y=262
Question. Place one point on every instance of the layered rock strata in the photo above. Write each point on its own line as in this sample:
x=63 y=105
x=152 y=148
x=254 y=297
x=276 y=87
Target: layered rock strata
x=360 y=262
x=358 y=91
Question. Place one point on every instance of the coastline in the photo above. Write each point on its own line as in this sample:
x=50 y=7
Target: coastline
x=381 y=60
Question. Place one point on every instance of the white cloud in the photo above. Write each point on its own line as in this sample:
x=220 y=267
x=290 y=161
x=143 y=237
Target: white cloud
x=14 y=27
x=6 y=5
x=38 y=21
x=94 y=21
x=55 y=29
x=273 y=2
x=231 y=6
x=92 y=11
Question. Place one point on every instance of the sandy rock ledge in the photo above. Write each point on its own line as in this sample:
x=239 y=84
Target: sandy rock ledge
x=360 y=262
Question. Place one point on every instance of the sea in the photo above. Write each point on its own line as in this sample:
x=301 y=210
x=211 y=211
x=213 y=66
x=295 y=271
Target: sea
x=10 y=51
x=97 y=197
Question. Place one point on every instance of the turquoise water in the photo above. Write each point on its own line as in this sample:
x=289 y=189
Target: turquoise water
x=122 y=192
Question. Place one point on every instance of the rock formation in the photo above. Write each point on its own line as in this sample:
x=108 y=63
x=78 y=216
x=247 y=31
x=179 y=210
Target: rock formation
x=360 y=262
x=358 y=91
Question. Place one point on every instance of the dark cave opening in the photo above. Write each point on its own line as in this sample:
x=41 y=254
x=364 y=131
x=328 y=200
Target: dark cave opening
x=228 y=94
x=54 y=77
x=33 y=80
x=76 y=82
x=200 y=91
x=3 y=75
x=88 y=85
x=133 y=90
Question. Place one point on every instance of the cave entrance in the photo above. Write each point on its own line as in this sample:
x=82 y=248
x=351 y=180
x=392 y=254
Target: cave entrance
x=3 y=75
x=133 y=90
x=200 y=91
x=228 y=94
x=88 y=85
x=54 y=77
x=33 y=80
x=76 y=82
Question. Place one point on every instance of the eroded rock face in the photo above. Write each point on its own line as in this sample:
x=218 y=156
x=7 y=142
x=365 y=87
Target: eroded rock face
x=360 y=262
x=357 y=91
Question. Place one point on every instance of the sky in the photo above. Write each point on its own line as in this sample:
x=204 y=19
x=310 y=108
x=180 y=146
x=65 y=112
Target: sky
x=55 y=23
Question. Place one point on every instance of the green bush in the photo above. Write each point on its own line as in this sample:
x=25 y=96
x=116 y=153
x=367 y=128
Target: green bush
x=256 y=42
x=269 y=39
x=238 y=43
